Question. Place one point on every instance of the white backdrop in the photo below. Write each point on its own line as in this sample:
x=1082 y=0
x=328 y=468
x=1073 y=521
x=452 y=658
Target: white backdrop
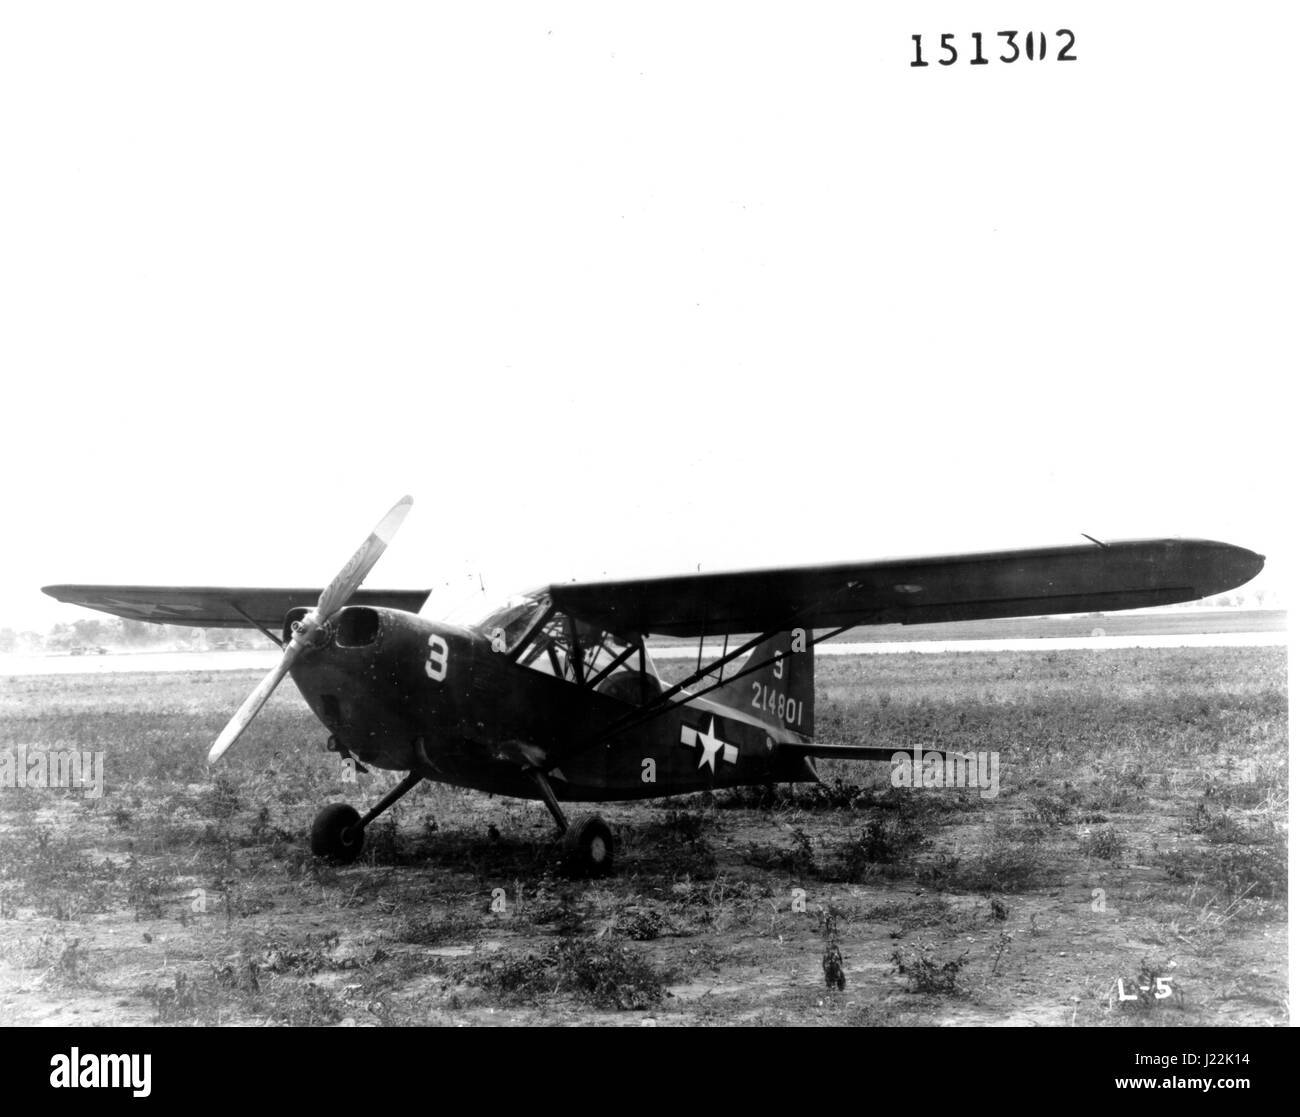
x=627 y=289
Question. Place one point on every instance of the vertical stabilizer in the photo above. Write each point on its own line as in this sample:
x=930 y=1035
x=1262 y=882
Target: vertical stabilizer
x=781 y=693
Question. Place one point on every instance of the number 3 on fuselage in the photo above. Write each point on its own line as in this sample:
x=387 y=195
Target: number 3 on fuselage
x=435 y=666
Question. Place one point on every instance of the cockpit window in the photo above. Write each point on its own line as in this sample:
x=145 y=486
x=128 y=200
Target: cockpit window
x=585 y=654
x=509 y=624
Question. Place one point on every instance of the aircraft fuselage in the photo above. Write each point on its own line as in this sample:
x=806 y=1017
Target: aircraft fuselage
x=401 y=692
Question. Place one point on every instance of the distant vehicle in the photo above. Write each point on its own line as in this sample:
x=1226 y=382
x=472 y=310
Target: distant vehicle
x=553 y=696
x=87 y=649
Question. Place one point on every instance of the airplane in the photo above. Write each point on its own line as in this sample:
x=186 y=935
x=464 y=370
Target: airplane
x=554 y=695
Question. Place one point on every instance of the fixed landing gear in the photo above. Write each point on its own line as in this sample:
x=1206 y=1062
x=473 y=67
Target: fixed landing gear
x=338 y=832
x=589 y=847
x=588 y=843
x=335 y=834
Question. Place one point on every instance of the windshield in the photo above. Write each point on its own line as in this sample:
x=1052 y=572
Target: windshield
x=510 y=622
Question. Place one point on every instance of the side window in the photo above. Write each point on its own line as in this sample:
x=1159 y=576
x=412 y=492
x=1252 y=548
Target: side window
x=586 y=655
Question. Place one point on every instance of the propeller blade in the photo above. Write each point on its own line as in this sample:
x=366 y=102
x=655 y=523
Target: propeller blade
x=333 y=597
x=253 y=703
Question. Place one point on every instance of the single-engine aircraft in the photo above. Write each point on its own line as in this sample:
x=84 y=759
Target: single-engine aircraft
x=554 y=696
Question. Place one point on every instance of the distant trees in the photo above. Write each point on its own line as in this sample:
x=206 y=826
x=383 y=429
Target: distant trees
x=135 y=634
x=120 y=633
x=61 y=638
x=92 y=632
x=89 y=631
x=23 y=643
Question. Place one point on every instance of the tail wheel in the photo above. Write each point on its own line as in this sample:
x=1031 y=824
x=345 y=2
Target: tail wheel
x=589 y=847
x=336 y=835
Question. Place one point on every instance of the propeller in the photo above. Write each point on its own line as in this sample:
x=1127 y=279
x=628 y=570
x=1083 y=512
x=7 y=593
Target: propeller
x=333 y=597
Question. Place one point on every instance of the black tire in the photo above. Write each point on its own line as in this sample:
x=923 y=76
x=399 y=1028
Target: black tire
x=589 y=847
x=335 y=834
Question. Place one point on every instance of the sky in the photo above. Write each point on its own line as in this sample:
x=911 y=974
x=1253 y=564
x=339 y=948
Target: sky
x=630 y=289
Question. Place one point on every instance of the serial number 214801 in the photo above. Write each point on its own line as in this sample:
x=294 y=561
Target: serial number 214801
x=786 y=710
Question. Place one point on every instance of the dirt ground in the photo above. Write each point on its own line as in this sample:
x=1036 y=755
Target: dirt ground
x=1131 y=869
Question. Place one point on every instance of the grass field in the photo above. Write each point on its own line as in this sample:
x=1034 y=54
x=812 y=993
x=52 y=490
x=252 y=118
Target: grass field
x=1139 y=833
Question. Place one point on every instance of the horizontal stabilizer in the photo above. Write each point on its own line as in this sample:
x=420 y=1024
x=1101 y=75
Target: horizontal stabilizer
x=839 y=752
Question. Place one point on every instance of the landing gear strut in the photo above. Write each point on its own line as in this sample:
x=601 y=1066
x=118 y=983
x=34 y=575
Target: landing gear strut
x=588 y=843
x=338 y=832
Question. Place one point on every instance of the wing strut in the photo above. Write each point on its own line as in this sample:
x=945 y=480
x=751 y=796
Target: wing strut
x=257 y=625
x=664 y=703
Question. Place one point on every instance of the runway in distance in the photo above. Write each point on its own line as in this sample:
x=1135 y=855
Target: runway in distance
x=553 y=695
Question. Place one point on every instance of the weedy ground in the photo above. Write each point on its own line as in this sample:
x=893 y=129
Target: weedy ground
x=1137 y=844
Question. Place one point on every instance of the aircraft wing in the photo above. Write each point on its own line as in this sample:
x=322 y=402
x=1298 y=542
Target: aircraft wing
x=1082 y=578
x=218 y=606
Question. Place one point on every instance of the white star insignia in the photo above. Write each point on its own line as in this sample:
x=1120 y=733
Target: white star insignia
x=149 y=608
x=710 y=746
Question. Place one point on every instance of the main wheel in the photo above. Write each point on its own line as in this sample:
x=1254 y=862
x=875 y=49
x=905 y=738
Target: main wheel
x=589 y=847
x=335 y=834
